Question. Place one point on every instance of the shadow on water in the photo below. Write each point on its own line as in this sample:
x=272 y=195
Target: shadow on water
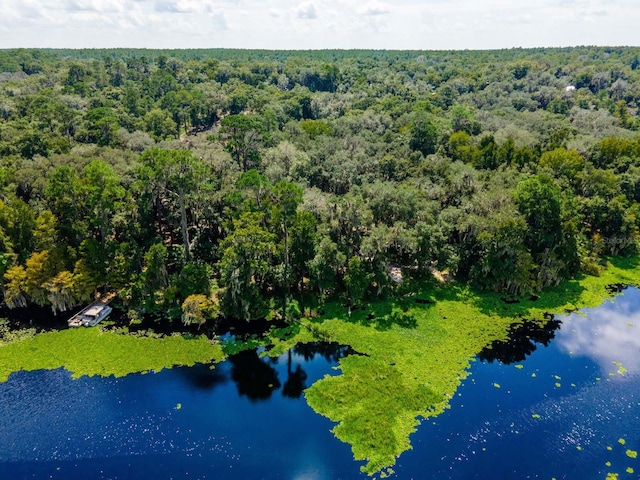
x=524 y=338
x=257 y=377
x=330 y=351
x=296 y=378
x=204 y=377
x=254 y=377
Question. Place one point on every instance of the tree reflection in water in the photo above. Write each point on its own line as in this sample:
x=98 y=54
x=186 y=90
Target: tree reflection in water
x=331 y=351
x=257 y=379
x=295 y=384
x=203 y=376
x=254 y=377
x=523 y=341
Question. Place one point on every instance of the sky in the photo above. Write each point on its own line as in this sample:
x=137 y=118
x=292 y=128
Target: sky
x=318 y=24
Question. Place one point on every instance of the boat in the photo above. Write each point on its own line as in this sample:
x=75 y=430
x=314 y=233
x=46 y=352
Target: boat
x=90 y=316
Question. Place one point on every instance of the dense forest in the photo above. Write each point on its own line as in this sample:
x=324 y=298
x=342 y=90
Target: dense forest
x=199 y=184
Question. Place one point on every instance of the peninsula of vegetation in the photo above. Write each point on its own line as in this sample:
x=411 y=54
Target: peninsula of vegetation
x=323 y=192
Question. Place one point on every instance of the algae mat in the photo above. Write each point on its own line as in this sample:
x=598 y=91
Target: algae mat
x=91 y=351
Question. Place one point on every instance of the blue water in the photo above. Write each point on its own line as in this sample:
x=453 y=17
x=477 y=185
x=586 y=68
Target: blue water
x=559 y=413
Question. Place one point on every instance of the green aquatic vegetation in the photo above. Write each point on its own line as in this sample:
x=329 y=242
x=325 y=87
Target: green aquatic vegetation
x=621 y=369
x=612 y=476
x=622 y=441
x=91 y=351
x=629 y=470
x=428 y=358
x=496 y=385
x=519 y=367
x=535 y=415
x=410 y=357
x=632 y=454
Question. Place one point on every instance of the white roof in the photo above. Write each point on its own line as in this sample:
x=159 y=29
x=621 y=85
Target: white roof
x=93 y=311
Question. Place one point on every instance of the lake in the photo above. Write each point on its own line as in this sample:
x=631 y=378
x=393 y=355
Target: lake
x=556 y=402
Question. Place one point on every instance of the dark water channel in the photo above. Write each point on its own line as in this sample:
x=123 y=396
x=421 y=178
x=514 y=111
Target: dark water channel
x=552 y=403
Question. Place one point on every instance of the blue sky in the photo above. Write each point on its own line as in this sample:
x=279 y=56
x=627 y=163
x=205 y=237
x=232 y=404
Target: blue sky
x=280 y=24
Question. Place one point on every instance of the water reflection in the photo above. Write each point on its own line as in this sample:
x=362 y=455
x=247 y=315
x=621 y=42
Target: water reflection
x=204 y=376
x=295 y=384
x=523 y=341
x=608 y=335
x=331 y=351
x=254 y=377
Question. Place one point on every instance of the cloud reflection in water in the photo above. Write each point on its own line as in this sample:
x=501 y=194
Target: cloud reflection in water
x=608 y=334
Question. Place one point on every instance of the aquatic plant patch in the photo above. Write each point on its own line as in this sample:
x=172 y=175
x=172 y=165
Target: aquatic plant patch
x=409 y=371
x=91 y=351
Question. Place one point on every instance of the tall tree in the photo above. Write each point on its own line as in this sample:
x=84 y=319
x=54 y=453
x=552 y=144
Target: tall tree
x=172 y=176
x=243 y=136
x=246 y=261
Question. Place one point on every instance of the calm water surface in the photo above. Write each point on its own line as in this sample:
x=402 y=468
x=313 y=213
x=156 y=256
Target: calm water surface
x=558 y=413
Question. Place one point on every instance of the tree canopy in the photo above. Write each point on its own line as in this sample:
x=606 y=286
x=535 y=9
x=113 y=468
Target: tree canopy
x=255 y=184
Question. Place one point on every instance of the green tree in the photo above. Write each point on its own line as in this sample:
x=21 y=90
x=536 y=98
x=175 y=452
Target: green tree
x=551 y=232
x=243 y=136
x=172 y=176
x=197 y=309
x=247 y=254
x=357 y=280
x=424 y=136
x=325 y=266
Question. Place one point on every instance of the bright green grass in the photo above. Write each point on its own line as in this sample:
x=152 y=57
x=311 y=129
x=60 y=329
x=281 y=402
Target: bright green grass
x=90 y=351
x=413 y=357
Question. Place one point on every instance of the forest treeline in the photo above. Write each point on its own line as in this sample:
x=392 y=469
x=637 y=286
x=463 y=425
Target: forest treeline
x=248 y=184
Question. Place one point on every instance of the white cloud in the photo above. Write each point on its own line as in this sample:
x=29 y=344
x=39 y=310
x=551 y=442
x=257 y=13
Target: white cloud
x=373 y=8
x=96 y=5
x=307 y=11
x=219 y=21
x=401 y=24
x=607 y=334
x=179 y=6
